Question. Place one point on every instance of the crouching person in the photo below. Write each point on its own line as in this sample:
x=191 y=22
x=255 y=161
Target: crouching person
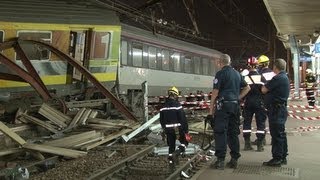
x=175 y=126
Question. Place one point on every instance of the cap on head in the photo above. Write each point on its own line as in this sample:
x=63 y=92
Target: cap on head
x=173 y=90
x=263 y=59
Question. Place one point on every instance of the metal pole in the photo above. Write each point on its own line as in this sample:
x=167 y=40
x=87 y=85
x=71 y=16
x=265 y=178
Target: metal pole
x=295 y=63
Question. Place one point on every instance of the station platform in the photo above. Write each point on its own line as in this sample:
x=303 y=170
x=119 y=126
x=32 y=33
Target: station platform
x=303 y=148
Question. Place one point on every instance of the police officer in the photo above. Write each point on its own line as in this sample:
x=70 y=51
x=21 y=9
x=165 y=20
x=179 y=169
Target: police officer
x=226 y=94
x=310 y=84
x=278 y=88
x=254 y=105
x=174 y=124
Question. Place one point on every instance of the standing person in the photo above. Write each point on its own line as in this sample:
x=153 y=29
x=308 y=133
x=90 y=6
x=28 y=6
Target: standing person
x=267 y=74
x=226 y=95
x=254 y=105
x=310 y=84
x=174 y=124
x=278 y=89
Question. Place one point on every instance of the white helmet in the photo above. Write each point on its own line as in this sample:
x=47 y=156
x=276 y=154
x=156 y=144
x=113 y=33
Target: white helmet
x=309 y=71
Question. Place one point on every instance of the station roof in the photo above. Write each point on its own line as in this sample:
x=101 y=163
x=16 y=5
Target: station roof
x=300 y=18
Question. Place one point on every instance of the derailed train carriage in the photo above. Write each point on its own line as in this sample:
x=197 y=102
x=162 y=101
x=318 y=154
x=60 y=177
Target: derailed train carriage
x=119 y=56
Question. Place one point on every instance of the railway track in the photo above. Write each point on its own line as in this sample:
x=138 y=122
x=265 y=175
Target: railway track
x=145 y=165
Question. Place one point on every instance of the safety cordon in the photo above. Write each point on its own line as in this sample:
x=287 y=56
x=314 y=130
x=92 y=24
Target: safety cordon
x=303 y=118
x=303 y=106
x=303 y=110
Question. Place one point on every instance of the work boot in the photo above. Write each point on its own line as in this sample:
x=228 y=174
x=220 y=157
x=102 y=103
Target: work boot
x=175 y=157
x=247 y=144
x=273 y=162
x=171 y=164
x=233 y=163
x=260 y=146
x=219 y=164
x=284 y=161
x=255 y=142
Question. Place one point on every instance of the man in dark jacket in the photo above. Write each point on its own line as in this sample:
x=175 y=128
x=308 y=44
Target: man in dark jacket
x=174 y=124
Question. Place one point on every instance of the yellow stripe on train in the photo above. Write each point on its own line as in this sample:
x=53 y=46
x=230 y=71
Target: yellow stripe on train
x=57 y=79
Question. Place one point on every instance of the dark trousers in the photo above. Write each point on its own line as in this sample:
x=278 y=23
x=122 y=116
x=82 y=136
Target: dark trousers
x=172 y=134
x=226 y=130
x=310 y=96
x=277 y=118
x=254 y=107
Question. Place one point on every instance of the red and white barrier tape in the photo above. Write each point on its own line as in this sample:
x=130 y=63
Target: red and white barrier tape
x=303 y=106
x=304 y=118
x=303 y=110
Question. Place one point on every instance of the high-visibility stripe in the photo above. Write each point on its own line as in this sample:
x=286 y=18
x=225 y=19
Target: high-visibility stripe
x=171 y=108
x=246 y=131
x=173 y=125
x=268 y=76
x=260 y=132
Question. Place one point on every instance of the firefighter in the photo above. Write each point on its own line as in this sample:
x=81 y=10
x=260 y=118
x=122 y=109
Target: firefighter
x=254 y=105
x=267 y=73
x=224 y=105
x=174 y=125
x=310 y=84
x=278 y=88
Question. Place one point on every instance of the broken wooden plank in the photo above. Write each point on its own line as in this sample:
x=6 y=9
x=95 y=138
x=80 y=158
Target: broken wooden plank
x=102 y=126
x=6 y=130
x=107 y=122
x=93 y=114
x=5 y=152
x=86 y=103
x=39 y=122
x=76 y=118
x=18 y=128
x=55 y=150
x=70 y=139
x=85 y=116
x=109 y=138
x=57 y=113
x=52 y=118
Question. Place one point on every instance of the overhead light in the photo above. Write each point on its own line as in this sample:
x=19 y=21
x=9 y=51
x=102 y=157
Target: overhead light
x=316 y=33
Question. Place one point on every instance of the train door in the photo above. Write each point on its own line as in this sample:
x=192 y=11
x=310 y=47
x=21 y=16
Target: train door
x=77 y=49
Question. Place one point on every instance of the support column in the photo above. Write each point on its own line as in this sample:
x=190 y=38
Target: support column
x=295 y=63
x=145 y=100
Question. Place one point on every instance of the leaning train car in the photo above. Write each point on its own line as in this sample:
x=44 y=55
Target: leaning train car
x=162 y=62
x=89 y=34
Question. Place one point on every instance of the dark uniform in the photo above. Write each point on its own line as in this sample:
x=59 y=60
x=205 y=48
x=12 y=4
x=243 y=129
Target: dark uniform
x=279 y=88
x=254 y=104
x=226 y=116
x=174 y=123
x=310 y=81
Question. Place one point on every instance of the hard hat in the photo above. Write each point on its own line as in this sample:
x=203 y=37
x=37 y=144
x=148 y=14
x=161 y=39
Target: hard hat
x=263 y=59
x=174 y=90
x=252 y=61
x=309 y=71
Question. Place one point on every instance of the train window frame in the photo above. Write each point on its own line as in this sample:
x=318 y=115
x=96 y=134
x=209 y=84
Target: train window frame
x=190 y=71
x=197 y=62
x=145 y=56
x=205 y=69
x=107 y=50
x=49 y=41
x=173 y=60
x=126 y=52
x=2 y=36
x=141 y=60
x=165 y=67
x=154 y=64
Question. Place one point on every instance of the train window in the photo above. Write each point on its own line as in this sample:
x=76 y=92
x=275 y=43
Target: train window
x=101 y=45
x=197 y=65
x=213 y=66
x=34 y=51
x=145 y=62
x=124 y=52
x=187 y=64
x=137 y=54
x=205 y=66
x=165 y=60
x=152 y=52
x=176 y=62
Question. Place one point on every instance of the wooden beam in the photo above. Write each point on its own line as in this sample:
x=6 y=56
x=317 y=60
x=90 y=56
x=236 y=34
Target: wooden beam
x=6 y=130
x=40 y=123
x=76 y=119
x=18 y=128
x=55 y=150
x=63 y=142
x=109 y=138
x=10 y=151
